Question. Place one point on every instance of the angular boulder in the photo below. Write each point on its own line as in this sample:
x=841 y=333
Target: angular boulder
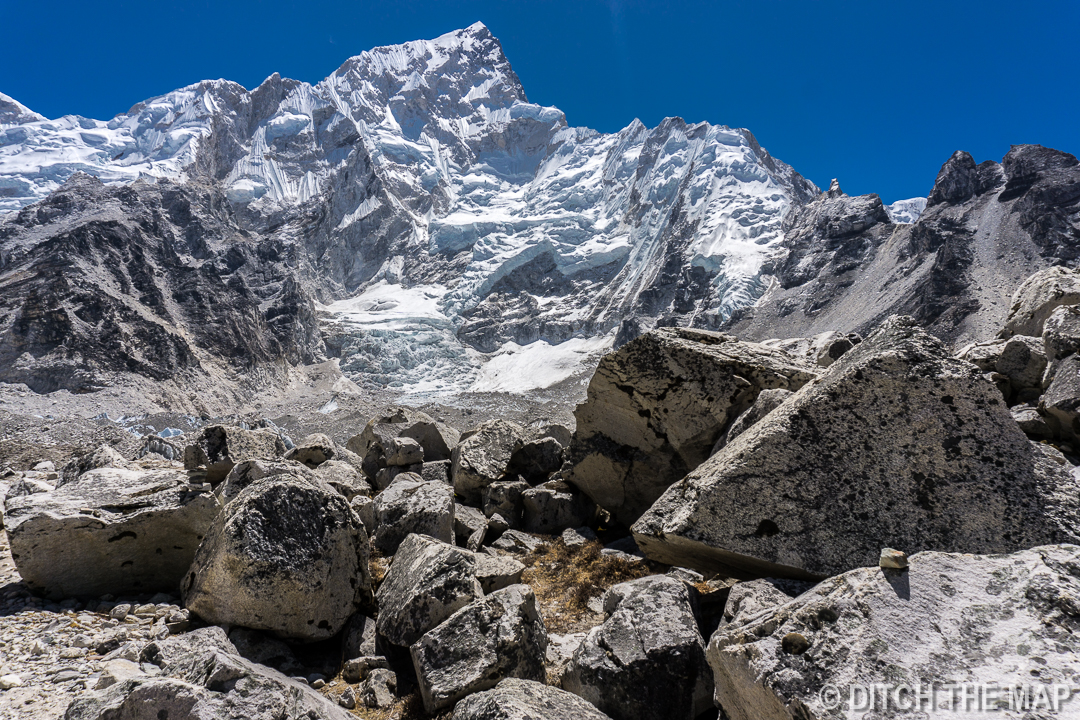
x=767 y=401
x=218 y=447
x=1061 y=333
x=313 y=451
x=428 y=582
x=947 y=620
x=248 y=472
x=1037 y=298
x=535 y=460
x=516 y=699
x=647 y=661
x=111 y=530
x=206 y=682
x=105 y=456
x=411 y=505
x=372 y=444
x=482 y=458
x=656 y=407
x=498 y=636
x=898 y=445
x=343 y=477
x=287 y=556
x=1060 y=404
x=555 y=506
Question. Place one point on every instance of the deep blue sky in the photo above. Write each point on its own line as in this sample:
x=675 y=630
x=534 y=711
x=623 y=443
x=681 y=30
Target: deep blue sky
x=877 y=94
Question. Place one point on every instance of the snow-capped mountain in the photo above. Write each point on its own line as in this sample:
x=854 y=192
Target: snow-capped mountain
x=453 y=235
x=906 y=211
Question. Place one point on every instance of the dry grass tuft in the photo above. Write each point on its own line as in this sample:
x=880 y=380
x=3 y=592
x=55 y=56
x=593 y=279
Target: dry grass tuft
x=565 y=579
x=379 y=565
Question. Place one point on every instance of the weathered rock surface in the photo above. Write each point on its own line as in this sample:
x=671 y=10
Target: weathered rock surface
x=412 y=505
x=898 y=445
x=752 y=597
x=1061 y=333
x=766 y=402
x=1060 y=404
x=821 y=350
x=535 y=460
x=104 y=456
x=656 y=407
x=207 y=683
x=555 y=506
x=218 y=447
x=504 y=498
x=343 y=477
x=287 y=555
x=248 y=472
x=373 y=443
x=516 y=699
x=482 y=458
x=1037 y=298
x=498 y=636
x=647 y=661
x=427 y=583
x=313 y=450
x=1006 y=620
x=110 y=531
x=495 y=573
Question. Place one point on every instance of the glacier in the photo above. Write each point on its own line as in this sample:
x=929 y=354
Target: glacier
x=456 y=236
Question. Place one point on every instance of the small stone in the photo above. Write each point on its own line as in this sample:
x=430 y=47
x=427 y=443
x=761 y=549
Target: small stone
x=348 y=698
x=893 y=559
x=794 y=644
x=72 y=652
x=318 y=684
x=120 y=612
x=357 y=669
x=67 y=675
x=10 y=681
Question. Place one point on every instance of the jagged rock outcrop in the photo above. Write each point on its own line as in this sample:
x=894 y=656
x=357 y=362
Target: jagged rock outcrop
x=111 y=530
x=898 y=445
x=656 y=407
x=986 y=228
x=286 y=555
x=1008 y=620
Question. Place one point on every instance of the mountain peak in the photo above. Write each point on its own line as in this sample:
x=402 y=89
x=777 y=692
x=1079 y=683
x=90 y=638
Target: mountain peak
x=13 y=112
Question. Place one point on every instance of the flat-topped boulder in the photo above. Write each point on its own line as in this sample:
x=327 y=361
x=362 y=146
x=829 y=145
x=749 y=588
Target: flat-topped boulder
x=898 y=445
x=111 y=530
x=218 y=447
x=656 y=407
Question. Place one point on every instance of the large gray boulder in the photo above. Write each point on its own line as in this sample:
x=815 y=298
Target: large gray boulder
x=1061 y=333
x=948 y=619
x=647 y=661
x=1037 y=298
x=344 y=478
x=899 y=445
x=373 y=443
x=535 y=460
x=413 y=505
x=287 y=555
x=111 y=530
x=482 y=458
x=428 y=582
x=501 y=635
x=208 y=680
x=218 y=447
x=516 y=699
x=656 y=407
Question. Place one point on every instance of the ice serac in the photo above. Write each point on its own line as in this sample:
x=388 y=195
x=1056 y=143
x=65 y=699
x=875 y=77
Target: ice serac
x=440 y=216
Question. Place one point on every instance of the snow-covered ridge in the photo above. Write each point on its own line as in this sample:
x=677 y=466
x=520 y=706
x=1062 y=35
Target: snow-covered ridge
x=459 y=224
x=906 y=211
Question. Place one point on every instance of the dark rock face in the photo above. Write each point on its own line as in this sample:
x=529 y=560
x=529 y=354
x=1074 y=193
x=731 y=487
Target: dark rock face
x=898 y=445
x=151 y=279
x=987 y=227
